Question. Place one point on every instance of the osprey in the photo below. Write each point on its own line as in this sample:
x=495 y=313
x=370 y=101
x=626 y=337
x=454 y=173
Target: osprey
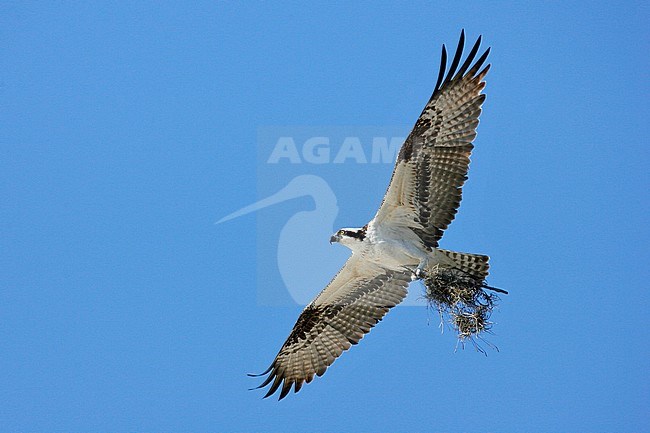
x=400 y=244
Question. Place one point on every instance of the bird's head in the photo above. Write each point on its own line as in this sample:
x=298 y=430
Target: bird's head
x=349 y=237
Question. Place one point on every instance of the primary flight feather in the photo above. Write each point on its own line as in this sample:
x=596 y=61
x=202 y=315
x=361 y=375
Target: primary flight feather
x=400 y=243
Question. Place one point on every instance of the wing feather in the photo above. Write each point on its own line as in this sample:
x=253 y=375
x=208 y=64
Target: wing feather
x=426 y=187
x=355 y=300
x=424 y=194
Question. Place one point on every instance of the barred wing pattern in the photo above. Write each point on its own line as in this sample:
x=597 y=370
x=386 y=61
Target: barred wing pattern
x=425 y=189
x=353 y=302
x=424 y=195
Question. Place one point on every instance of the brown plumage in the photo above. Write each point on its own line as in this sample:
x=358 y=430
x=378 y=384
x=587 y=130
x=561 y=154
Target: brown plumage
x=356 y=299
x=433 y=163
x=423 y=197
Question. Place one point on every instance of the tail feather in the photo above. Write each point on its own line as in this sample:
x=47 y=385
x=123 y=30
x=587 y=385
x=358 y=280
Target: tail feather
x=475 y=265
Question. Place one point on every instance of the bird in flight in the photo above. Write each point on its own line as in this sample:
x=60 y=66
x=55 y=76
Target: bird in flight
x=400 y=244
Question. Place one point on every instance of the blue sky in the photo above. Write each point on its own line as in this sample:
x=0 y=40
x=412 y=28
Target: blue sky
x=127 y=130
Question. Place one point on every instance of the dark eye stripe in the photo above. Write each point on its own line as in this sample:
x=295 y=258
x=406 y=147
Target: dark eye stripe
x=361 y=234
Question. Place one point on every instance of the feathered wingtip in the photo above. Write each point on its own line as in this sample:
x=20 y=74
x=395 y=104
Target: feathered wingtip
x=277 y=381
x=266 y=381
x=260 y=374
x=452 y=74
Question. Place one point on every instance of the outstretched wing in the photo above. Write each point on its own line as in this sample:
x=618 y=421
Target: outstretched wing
x=425 y=189
x=351 y=304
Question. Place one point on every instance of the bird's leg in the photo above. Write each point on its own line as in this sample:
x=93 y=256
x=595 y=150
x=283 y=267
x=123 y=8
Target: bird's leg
x=420 y=271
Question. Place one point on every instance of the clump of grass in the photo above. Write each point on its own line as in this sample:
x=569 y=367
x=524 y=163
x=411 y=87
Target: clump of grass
x=462 y=301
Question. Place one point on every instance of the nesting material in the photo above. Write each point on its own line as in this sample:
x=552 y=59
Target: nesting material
x=461 y=300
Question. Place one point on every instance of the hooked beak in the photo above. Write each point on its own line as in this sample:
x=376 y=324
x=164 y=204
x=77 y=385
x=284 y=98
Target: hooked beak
x=335 y=238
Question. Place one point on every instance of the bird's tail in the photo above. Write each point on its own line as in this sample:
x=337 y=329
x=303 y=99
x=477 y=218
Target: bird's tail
x=475 y=265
